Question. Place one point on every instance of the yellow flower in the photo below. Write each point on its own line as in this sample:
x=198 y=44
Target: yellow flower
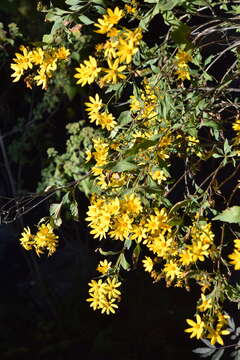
x=87 y=72
x=21 y=63
x=62 y=53
x=148 y=264
x=104 y=266
x=157 y=222
x=135 y=104
x=186 y=257
x=104 y=25
x=131 y=204
x=183 y=73
x=237 y=244
x=110 y=49
x=236 y=125
x=113 y=73
x=198 y=250
x=158 y=175
x=235 y=259
x=183 y=57
x=94 y=105
x=113 y=32
x=106 y=120
x=88 y=156
x=110 y=286
x=27 y=239
x=215 y=335
x=45 y=239
x=129 y=9
x=41 y=79
x=134 y=36
x=139 y=232
x=121 y=227
x=126 y=50
x=37 y=56
x=196 y=328
x=206 y=303
x=171 y=269
x=114 y=16
x=108 y=306
x=97 y=292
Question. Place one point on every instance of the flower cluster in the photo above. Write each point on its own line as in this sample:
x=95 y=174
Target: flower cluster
x=103 y=118
x=42 y=63
x=43 y=240
x=117 y=51
x=104 y=295
x=175 y=255
x=115 y=217
x=202 y=329
x=182 y=59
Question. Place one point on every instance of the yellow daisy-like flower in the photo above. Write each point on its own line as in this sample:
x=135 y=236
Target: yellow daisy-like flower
x=106 y=120
x=41 y=79
x=94 y=105
x=148 y=264
x=114 y=16
x=104 y=266
x=62 y=53
x=235 y=259
x=183 y=57
x=131 y=204
x=45 y=239
x=126 y=50
x=171 y=269
x=196 y=328
x=103 y=25
x=121 y=227
x=111 y=287
x=183 y=73
x=236 y=125
x=215 y=335
x=237 y=244
x=87 y=73
x=27 y=239
x=206 y=303
x=108 y=306
x=113 y=73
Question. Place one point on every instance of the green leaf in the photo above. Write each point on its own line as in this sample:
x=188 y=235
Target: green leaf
x=181 y=34
x=123 y=262
x=142 y=144
x=121 y=166
x=75 y=2
x=149 y=16
x=47 y=38
x=99 y=2
x=204 y=350
x=218 y=354
x=127 y=243
x=170 y=4
x=136 y=253
x=55 y=210
x=230 y=215
x=212 y=124
x=74 y=209
x=85 y=20
x=108 y=253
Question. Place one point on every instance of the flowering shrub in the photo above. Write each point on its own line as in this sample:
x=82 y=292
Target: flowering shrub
x=157 y=152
